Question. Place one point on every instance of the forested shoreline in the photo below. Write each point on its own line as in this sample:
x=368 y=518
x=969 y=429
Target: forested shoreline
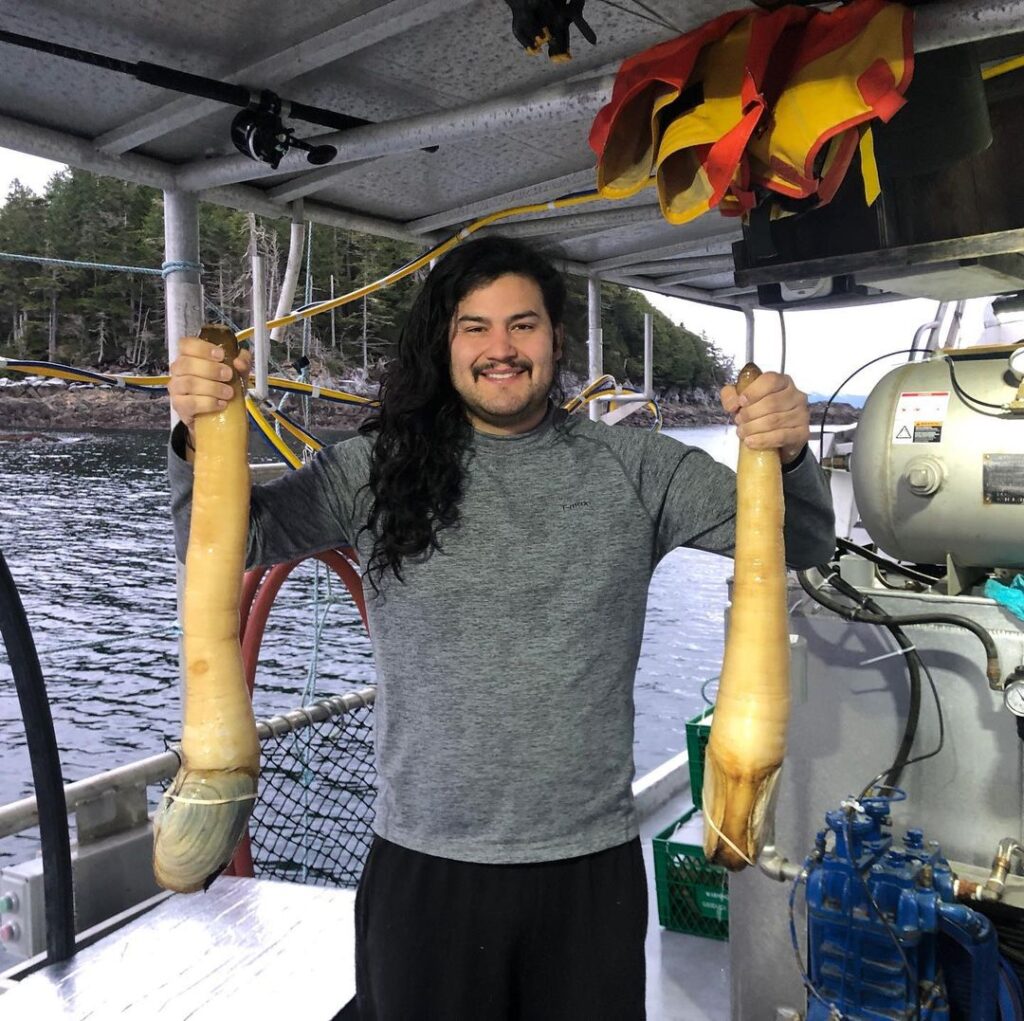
x=113 y=320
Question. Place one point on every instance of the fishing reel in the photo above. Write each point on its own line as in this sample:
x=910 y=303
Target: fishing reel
x=260 y=133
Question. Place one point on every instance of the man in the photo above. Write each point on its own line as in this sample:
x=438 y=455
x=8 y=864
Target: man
x=507 y=549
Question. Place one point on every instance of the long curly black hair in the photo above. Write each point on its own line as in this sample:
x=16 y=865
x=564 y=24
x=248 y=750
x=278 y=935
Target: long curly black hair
x=422 y=432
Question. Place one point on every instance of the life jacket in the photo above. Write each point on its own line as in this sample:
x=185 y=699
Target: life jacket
x=626 y=131
x=701 y=156
x=852 y=65
x=754 y=102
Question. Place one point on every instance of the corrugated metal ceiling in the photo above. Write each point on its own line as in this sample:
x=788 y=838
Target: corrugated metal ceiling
x=382 y=60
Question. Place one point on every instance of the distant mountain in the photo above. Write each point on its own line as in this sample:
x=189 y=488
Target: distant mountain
x=856 y=400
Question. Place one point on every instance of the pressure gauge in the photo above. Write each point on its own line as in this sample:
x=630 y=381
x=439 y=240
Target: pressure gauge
x=1013 y=696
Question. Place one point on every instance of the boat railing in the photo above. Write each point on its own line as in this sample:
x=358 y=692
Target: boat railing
x=311 y=824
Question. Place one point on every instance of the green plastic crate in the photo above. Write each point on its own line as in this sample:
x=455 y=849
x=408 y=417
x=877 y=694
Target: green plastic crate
x=693 y=895
x=698 y=731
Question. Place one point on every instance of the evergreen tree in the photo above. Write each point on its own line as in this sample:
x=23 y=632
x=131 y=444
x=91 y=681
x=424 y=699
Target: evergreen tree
x=91 y=316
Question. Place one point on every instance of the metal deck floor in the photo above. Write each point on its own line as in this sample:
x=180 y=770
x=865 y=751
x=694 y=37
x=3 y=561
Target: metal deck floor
x=280 y=928
x=246 y=948
x=687 y=976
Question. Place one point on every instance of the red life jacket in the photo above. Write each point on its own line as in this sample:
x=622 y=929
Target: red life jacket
x=852 y=65
x=626 y=132
x=771 y=101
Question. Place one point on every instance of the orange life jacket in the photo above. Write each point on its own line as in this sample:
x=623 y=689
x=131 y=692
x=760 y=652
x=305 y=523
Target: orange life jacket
x=851 y=66
x=779 y=102
x=701 y=156
x=626 y=131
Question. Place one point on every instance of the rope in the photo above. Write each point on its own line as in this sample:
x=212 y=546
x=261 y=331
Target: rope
x=73 y=264
x=181 y=266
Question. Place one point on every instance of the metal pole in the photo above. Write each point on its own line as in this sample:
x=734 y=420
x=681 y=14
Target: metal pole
x=261 y=338
x=594 y=339
x=183 y=291
x=334 y=335
x=183 y=299
x=749 y=314
x=648 y=354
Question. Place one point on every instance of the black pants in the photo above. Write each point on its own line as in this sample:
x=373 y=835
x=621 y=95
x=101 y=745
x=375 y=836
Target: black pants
x=440 y=940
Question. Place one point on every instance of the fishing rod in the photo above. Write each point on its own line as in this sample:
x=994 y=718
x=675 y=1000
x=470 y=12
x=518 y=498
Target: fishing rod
x=258 y=131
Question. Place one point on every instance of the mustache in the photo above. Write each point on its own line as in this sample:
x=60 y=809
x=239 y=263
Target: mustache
x=512 y=363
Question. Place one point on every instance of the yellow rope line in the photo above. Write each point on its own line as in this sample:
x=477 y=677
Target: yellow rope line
x=1004 y=67
x=434 y=253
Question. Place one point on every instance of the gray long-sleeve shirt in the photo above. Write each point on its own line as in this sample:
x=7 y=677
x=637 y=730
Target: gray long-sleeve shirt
x=505 y=662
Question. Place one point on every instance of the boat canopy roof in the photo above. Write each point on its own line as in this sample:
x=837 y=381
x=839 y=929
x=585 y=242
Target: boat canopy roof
x=509 y=128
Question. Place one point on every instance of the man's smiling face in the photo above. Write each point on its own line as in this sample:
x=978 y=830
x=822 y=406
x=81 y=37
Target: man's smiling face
x=504 y=350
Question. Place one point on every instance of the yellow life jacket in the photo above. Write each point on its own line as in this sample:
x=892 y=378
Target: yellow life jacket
x=702 y=157
x=852 y=65
x=626 y=131
x=754 y=102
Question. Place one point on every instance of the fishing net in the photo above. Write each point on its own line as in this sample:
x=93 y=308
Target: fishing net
x=311 y=823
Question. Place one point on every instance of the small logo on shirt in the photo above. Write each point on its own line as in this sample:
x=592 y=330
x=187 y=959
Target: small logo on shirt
x=575 y=505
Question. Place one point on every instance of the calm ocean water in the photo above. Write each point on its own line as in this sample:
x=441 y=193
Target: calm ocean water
x=85 y=529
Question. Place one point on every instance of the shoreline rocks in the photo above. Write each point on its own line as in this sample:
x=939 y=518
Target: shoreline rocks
x=29 y=409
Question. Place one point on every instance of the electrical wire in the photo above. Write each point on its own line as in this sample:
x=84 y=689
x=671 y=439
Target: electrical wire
x=966 y=397
x=654 y=16
x=875 y=784
x=782 y=339
x=875 y=558
x=993 y=669
x=839 y=390
x=914 y=663
x=895 y=771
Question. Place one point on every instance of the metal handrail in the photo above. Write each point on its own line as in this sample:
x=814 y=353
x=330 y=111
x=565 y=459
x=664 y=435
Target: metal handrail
x=24 y=814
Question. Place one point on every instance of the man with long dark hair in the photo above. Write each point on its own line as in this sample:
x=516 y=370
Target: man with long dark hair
x=508 y=549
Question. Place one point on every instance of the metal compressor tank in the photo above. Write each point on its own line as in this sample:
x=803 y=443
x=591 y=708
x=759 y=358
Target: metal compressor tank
x=938 y=460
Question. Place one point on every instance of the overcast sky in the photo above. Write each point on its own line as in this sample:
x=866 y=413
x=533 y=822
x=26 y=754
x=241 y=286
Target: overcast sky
x=823 y=347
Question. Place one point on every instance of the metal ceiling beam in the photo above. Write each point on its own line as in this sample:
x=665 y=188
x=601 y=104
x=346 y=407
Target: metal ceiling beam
x=708 y=272
x=548 y=106
x=314 y=181
x=704 y=246
x=706 y=263
x=364 y=23
x=604 y=220
x=81 y=153
x=578 y=180
x=953 y=22
x=256 y=201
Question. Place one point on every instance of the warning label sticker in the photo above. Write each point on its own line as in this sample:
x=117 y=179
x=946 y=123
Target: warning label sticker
x=920 y=416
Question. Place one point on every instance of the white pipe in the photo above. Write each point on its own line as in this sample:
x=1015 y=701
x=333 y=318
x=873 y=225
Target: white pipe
x=296 y=248
x=666 y=267
x=595 y=340
x=261 y=342
x=648 y=354
x=548 y=106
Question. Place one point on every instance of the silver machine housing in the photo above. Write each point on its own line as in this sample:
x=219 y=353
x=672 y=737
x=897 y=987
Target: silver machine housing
x=938 y=477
